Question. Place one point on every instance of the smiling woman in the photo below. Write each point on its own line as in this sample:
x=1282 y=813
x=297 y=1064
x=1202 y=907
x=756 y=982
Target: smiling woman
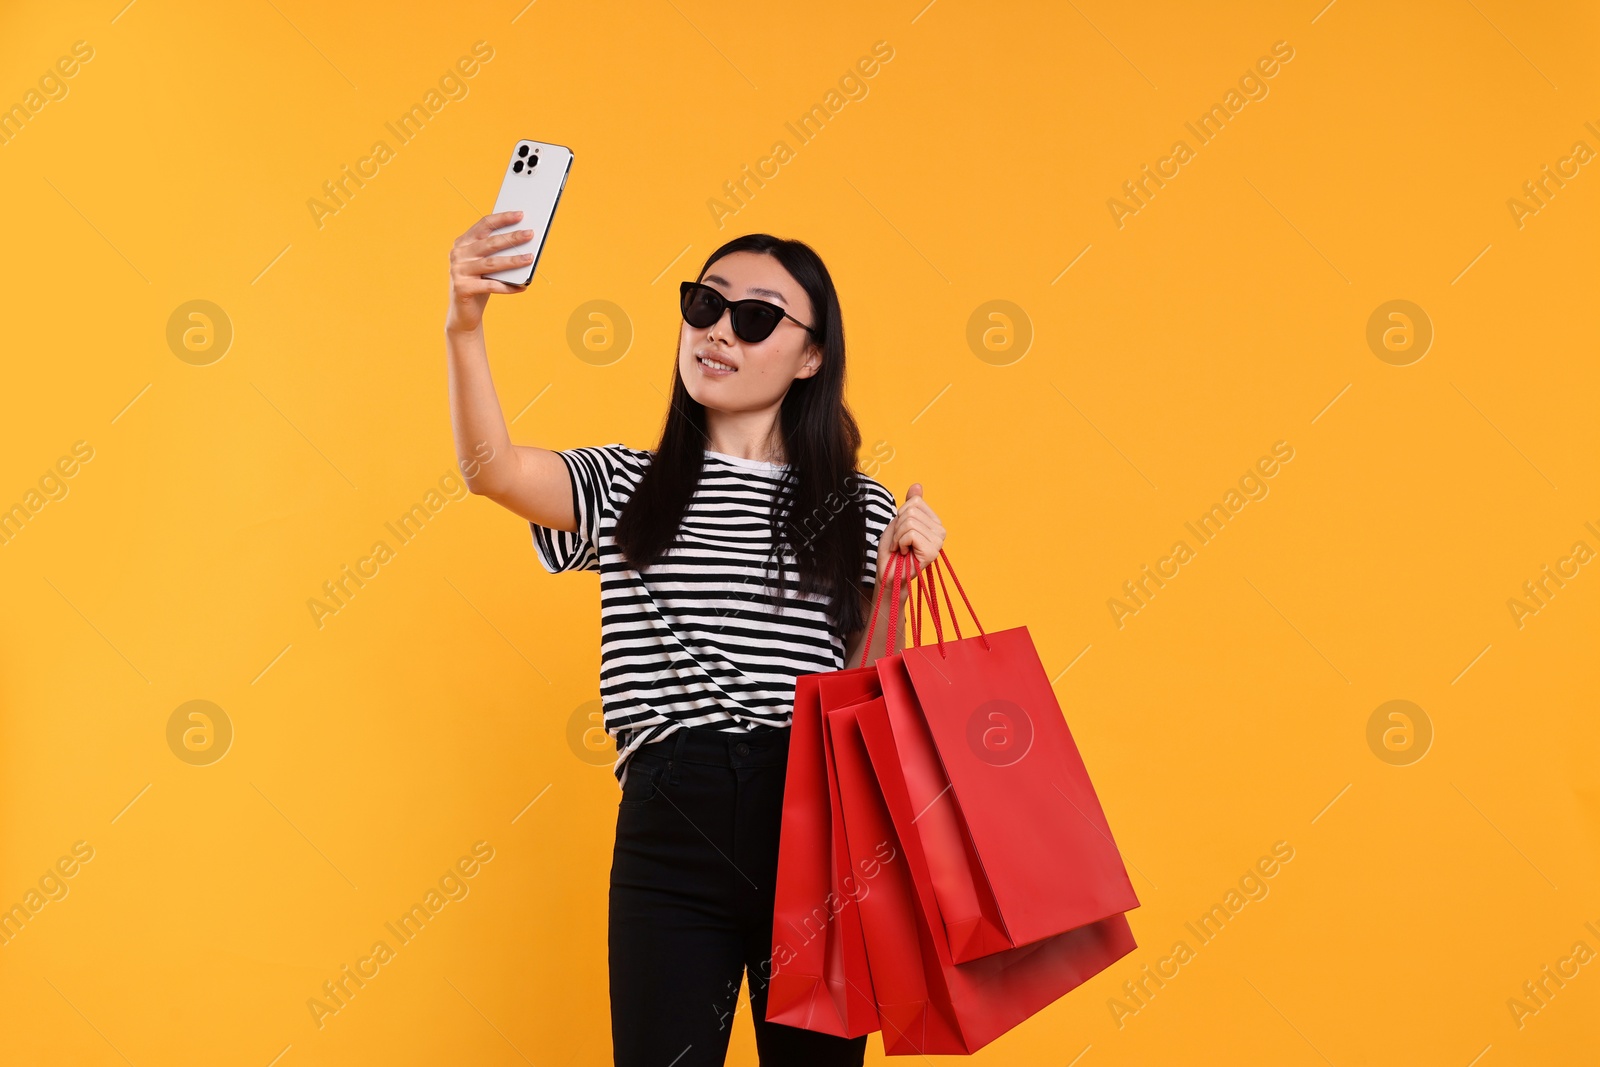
x=738 y=554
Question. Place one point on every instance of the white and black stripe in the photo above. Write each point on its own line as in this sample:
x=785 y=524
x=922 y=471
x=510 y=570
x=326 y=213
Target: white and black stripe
x=699 y=639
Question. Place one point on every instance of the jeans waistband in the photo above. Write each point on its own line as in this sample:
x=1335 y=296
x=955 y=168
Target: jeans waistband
x=767 y=747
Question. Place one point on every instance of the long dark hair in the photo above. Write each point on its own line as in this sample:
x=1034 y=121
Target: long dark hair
x=824 y=522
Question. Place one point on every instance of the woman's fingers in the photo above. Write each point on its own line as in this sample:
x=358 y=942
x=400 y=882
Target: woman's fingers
x=914 y=532
x=915 y=512
x=905 y=525
x=467 y=285
x=467 y=270
x=471 y=254
x=469 y=264
x=921 y=543
x=914 y=523
x=917 y=505
x=495 y=242
x=916 y=529
x=489 y=223
x=493 y=263
x=491 y=285
x=469 y=290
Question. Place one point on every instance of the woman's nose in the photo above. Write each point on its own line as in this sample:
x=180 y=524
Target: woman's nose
x=722 y=329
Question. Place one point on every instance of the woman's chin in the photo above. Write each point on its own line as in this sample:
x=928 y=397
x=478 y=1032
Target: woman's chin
x=696 y=388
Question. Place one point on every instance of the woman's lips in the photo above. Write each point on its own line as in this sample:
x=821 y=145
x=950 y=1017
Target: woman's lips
x=714 y=372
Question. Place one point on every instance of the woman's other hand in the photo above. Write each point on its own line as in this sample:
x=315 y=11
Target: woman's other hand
x=915 y=529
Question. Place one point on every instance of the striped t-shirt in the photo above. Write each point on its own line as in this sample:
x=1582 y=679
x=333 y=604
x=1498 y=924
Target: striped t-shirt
x=697 y=639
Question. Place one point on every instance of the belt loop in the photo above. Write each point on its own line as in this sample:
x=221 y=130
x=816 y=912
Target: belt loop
x=680 y=738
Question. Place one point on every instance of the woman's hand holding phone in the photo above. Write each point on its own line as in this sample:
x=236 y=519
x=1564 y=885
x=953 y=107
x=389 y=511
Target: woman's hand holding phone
x=471 y=257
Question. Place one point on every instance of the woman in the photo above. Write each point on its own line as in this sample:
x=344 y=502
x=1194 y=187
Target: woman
x=741 y=552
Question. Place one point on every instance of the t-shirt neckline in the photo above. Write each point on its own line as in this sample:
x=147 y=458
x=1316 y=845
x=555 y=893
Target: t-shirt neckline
x=753 y=464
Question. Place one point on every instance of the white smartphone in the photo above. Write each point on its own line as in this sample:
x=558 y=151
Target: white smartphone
x=532 y=185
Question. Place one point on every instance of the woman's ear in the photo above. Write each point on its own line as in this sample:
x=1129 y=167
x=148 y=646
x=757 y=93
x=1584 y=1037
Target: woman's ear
x=813 y=362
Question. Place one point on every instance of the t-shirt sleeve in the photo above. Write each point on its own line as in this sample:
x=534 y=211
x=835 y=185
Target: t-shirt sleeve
x=880 y=508
x=594 y=472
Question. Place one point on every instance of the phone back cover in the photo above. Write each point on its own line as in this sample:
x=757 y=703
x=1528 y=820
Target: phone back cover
x=535 y=192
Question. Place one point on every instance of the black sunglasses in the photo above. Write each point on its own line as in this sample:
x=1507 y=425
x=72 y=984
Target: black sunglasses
x=753 y=320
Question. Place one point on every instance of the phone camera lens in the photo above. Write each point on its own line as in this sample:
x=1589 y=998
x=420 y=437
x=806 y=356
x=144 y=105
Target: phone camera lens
x=516 y=168
x=534 y=162
x=522 y=149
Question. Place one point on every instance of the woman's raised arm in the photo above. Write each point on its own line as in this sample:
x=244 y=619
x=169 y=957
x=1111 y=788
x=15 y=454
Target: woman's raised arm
x=529 y=481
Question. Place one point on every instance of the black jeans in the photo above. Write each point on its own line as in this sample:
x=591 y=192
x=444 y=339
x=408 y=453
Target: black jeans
x=692 y=880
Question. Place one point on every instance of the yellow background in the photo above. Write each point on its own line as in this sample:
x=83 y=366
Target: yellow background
x=1230 y=313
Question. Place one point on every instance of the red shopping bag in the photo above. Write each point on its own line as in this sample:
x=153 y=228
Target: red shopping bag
x=901 y=880
x=928 y=1003
x=1017 y=846
x=820 y=979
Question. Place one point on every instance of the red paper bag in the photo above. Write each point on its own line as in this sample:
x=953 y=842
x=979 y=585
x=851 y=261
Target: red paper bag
x=928 y=1003
x=1017 y=846
x=969 y=915
x=820 y=979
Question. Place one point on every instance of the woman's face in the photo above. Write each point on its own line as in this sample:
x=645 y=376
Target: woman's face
x=762 y=372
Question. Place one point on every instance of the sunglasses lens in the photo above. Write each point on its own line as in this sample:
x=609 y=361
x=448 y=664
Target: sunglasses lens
x=754 y=323
x=702 y=306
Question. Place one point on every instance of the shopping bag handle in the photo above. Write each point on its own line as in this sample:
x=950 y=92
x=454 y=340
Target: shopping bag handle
x=933 y=604
x=901 y=561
